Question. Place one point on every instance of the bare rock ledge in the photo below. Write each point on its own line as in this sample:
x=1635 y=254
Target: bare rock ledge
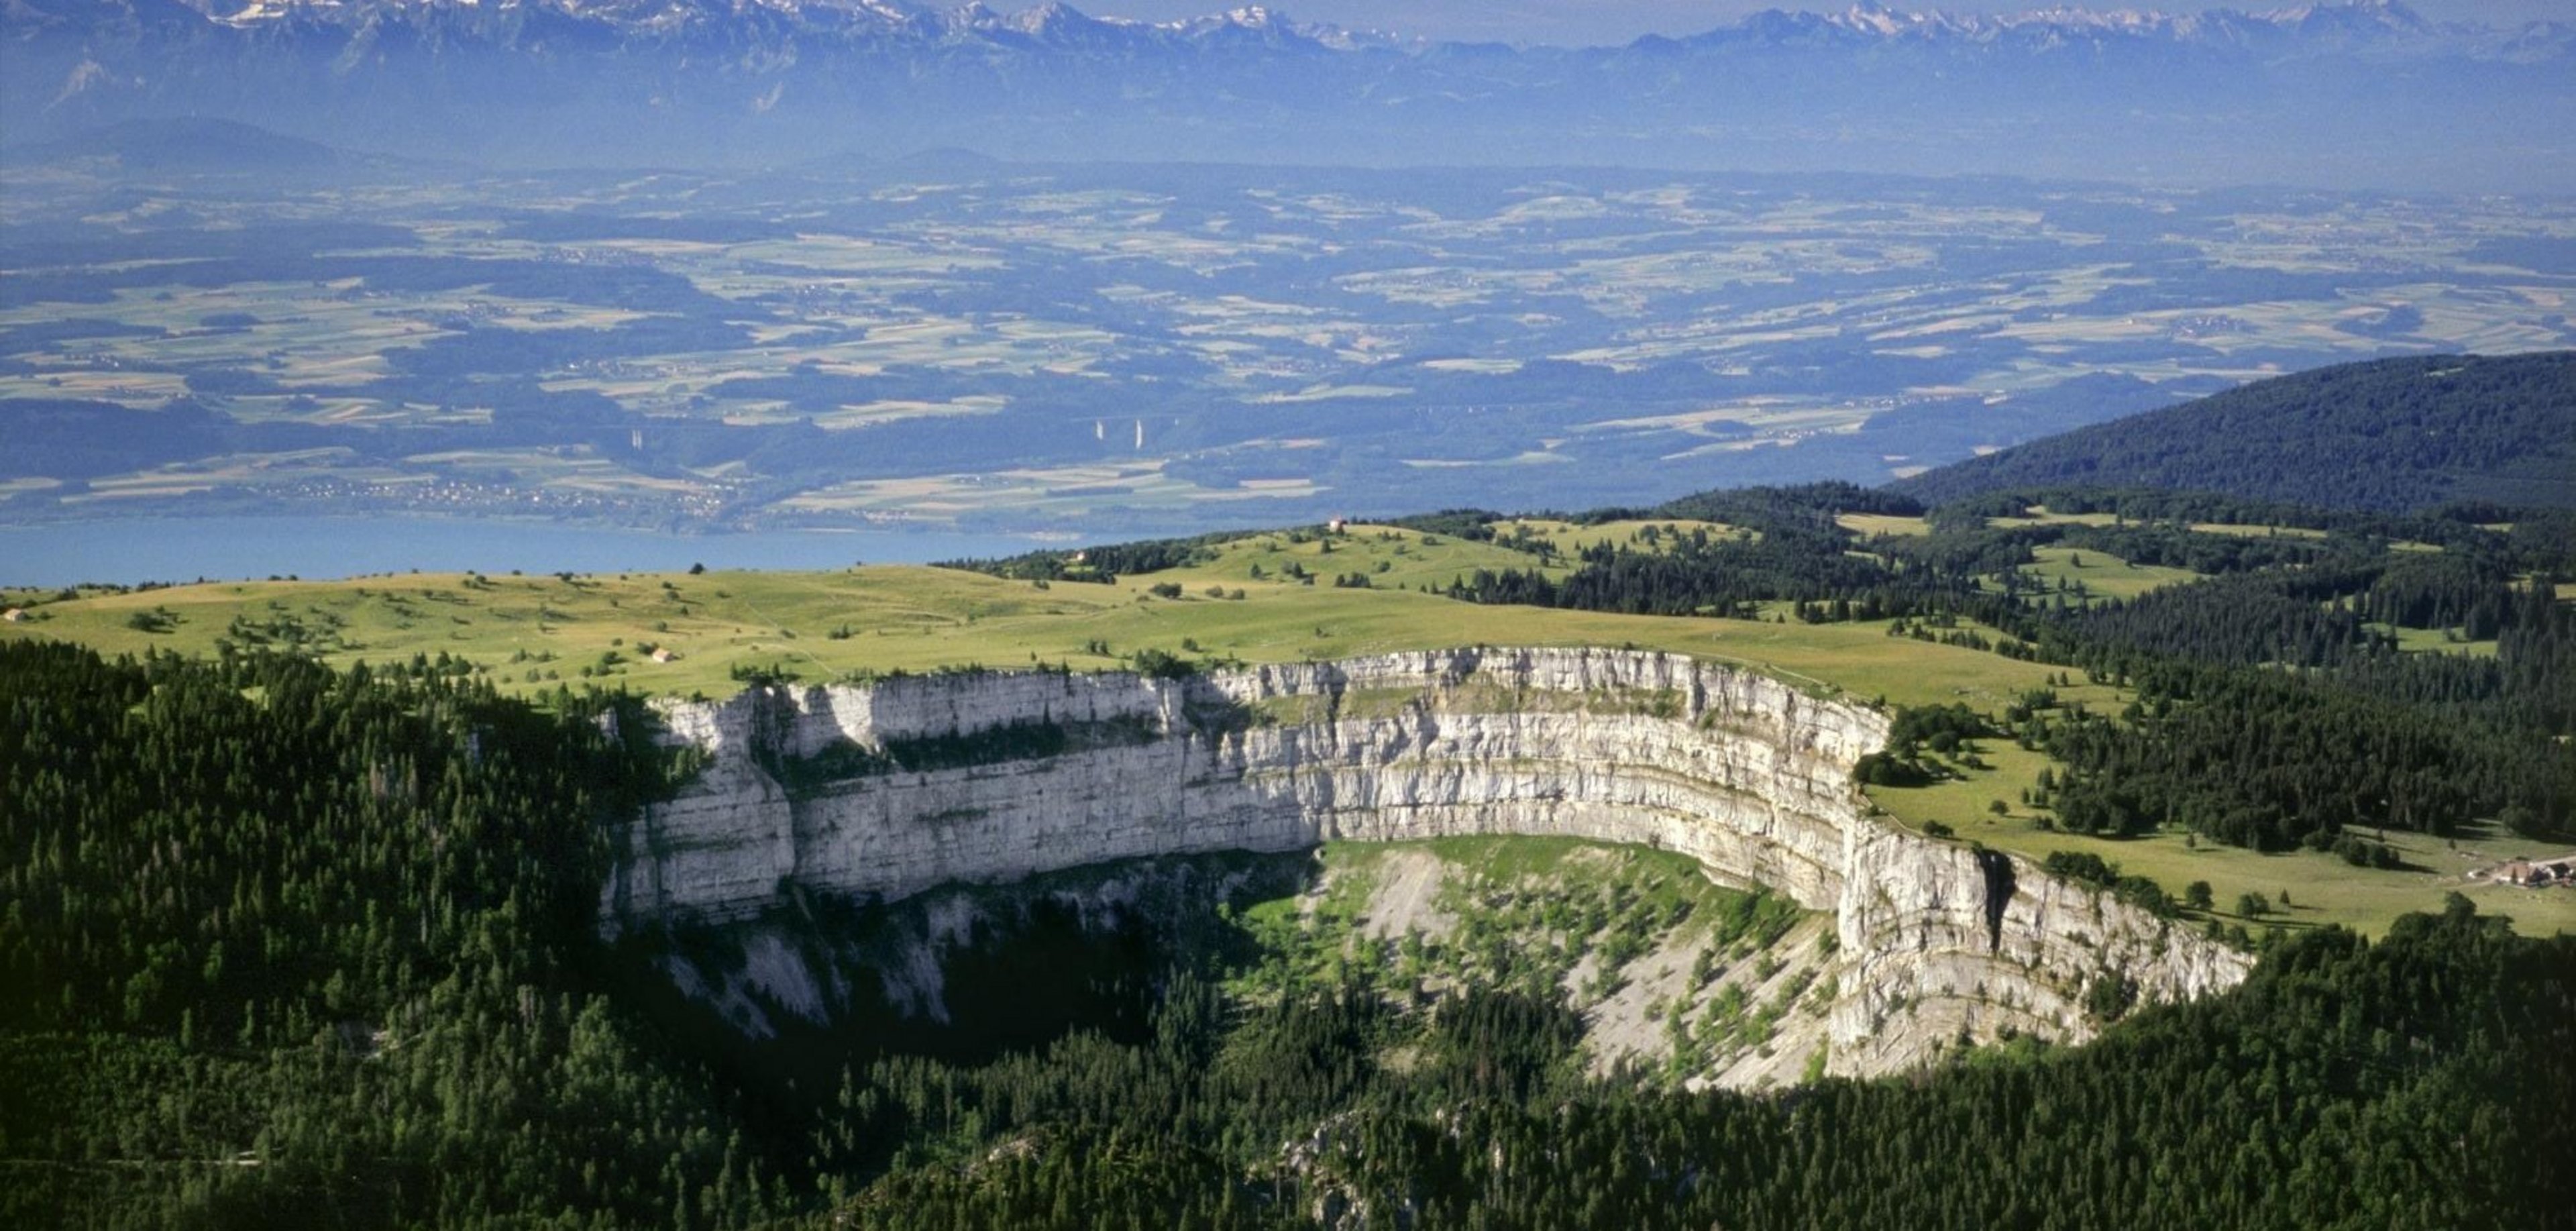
x=1748 y=775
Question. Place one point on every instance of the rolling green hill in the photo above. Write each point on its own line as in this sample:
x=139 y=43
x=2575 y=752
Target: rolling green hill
x=2390 y=435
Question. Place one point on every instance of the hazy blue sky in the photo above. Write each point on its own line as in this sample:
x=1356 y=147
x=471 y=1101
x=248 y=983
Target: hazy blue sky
x=1617 y=21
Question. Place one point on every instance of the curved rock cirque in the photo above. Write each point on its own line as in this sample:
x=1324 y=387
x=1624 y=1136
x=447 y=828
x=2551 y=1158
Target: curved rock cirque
x=1749 y=775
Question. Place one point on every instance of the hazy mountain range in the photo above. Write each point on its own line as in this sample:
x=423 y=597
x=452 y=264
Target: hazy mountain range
x=2352 y=94
x=721 y=25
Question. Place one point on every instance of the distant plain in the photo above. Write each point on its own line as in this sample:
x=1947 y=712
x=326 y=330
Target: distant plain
x=1108 y=350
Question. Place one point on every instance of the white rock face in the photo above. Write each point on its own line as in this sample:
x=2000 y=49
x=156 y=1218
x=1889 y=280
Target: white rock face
x=1742 y=772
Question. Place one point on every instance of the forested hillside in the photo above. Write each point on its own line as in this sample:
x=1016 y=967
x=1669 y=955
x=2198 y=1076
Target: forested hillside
x=2392 y=435
x=2345 y=1085
x=291 y=947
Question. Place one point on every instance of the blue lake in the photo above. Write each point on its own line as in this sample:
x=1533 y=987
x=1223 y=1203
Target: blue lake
x=237 y=548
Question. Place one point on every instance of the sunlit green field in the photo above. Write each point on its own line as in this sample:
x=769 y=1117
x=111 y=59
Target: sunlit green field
x=1883 y=523
x=2318 y=887
x=2041 y=515
x=1572 y=538
x=2436 y=641
x=2101 y=574
x=533 y=633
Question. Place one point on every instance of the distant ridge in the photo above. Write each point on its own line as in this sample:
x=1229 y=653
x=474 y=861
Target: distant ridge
x=2390 y=435
x=189 y=145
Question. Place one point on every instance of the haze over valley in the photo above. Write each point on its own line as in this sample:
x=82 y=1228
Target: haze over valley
x=950 y=342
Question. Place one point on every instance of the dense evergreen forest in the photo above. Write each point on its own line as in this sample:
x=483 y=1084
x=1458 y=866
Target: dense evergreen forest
x=291 y=947
x=2393 y=435
x=2345 y=1085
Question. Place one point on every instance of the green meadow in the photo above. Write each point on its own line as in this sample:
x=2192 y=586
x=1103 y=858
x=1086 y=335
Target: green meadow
x=2101 y=574
x=2305 y=888
x=534 y=633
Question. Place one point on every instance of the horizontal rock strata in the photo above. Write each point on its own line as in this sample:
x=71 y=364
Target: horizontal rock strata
x=892 y=788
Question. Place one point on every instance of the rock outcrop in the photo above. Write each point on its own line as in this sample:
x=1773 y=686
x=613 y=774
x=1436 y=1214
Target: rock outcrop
x=893 y=788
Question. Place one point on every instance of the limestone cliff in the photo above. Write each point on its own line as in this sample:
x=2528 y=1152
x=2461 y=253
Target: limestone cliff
x=896 y=787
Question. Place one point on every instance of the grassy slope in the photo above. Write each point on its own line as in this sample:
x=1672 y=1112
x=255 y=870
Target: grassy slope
x=2322 y=889
x=918 y=619
x=2103 y=575
x=1571 y=538
x=1689 y=978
